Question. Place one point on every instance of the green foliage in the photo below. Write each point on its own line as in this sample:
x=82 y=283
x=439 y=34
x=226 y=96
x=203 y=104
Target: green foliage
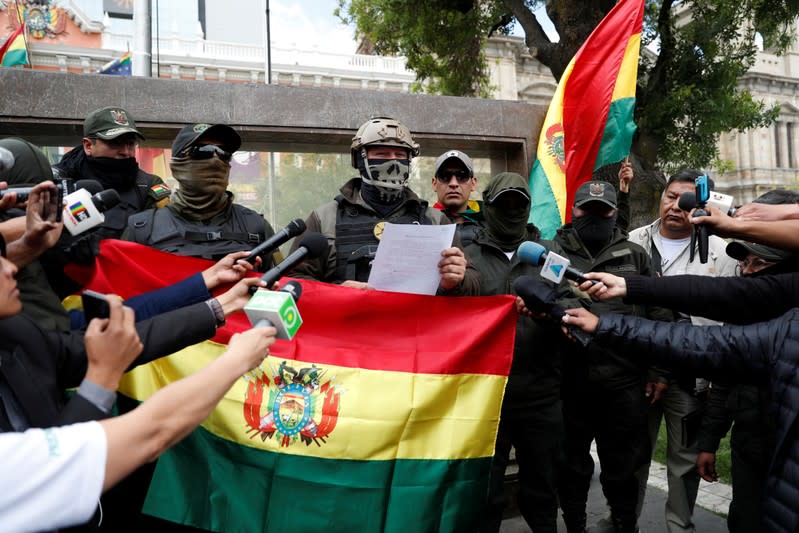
x=723 y=455
x=688 y=91
x=441 y=39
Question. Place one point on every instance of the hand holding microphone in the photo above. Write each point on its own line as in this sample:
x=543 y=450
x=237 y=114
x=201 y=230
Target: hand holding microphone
x=540 y=299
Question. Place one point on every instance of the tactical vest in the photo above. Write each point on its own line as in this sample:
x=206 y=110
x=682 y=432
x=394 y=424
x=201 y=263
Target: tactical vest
x=163 y=230
x=131 y=201
x=356 y=243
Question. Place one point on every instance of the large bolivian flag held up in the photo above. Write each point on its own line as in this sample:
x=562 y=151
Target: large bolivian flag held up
x=589 y=123
x=380 y=415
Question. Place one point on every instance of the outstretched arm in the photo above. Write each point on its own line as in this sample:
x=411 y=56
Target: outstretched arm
x=170 y=414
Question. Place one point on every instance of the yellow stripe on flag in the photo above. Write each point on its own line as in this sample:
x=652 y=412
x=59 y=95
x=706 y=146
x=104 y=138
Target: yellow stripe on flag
x=628 y=73
x=382 y=415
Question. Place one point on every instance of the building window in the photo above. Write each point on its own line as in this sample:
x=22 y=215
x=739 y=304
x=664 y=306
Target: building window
x=790 y=148
x=777 y=146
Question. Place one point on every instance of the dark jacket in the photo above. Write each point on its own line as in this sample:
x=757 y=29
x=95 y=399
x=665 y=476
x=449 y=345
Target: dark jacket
x=730 y=300
x=766 y=350
x=536 y=370
x=39 y=365
x=323 y=220
x=605 y=368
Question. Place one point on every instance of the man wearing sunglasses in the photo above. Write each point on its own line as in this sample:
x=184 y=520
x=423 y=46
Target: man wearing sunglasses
x=453 y=183
x=201 y=219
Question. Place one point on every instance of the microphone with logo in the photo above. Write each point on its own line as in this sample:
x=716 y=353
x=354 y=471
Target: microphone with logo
x=311 y=246
x=84 y=208
x=276 y=308
x=540 y=298
x=294 y=228
x=554 y=267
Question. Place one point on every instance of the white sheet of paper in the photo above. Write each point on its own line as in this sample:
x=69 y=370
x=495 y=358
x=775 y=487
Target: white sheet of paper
x=407 y=258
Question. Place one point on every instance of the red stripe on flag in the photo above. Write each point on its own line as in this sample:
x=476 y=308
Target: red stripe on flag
x=450 y=335
x=589 y=90
x=10 y=40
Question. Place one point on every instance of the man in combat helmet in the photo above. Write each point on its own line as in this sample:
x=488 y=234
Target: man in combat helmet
x=353 y=222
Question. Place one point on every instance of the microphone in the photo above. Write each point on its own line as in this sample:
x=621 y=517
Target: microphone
x=294 y=228
x=312 y=245
x=540 y=298
x=84 y=210
x=554 y=267
x=722 y=202
x=276 y=308
x=6 y=160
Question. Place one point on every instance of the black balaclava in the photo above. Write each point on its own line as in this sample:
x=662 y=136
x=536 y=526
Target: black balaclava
x=112 y=173
x=595 y=231
x=507 y=228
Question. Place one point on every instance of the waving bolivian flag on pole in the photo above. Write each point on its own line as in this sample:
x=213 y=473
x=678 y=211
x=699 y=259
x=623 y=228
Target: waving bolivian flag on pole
x=13 y=51
x=589 y=123
x=380 y=415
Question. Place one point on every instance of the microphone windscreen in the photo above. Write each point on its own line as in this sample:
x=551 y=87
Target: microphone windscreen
x=293 y=288
x=316 y=243
x=6 y=159
x=531 y=252
x=105 y=200
x=91 y=186
x=296 y=227
x=687 y=201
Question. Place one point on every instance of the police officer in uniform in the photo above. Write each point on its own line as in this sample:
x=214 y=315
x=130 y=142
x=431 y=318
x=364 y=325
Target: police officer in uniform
x=108 y=156
x=202 y=220
x=353 y=223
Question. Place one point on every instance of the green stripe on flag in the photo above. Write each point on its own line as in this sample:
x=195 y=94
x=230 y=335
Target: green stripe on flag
x=544 y=212
x=15 y=57
x=618 y=135
x=276 y=492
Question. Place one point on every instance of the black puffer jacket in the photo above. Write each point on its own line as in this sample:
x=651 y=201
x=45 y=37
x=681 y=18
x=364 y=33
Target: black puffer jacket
x=767 y=350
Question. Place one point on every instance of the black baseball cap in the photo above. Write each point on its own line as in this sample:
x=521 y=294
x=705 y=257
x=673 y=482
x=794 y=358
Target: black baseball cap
x=739 y=250
x=109 y=123
x=595 y=191
x=189 y=135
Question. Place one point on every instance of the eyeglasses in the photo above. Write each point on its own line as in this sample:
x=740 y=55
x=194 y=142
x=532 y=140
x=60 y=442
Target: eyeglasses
x=461 y=175
x=207 y=151
x=755 y=263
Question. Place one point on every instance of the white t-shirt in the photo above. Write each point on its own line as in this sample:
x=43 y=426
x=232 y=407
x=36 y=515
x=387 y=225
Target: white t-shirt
x=51 y=478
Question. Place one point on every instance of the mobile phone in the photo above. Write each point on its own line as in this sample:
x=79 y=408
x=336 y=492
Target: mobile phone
x=95 y=305
x=702 y=189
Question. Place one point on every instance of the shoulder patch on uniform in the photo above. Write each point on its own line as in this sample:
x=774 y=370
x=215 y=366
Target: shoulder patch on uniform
x=159 y=191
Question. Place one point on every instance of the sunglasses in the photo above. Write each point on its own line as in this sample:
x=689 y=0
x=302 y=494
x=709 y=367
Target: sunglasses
x=461 y=175
x=207 y=151
x=756 y=263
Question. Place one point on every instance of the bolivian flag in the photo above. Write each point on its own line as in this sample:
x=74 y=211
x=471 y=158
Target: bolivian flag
x=589 y=123
x=14 y=52
x=380 y=415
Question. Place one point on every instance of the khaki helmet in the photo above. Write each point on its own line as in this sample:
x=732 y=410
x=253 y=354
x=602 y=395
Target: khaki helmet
x=382 y=131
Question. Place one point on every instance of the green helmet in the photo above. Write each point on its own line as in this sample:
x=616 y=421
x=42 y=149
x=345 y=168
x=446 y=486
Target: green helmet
x=382 y=131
